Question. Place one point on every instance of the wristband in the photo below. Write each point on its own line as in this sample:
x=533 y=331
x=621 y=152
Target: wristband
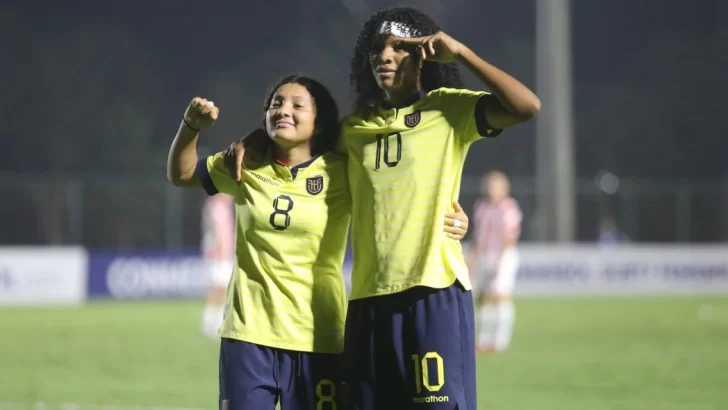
x=188 y=125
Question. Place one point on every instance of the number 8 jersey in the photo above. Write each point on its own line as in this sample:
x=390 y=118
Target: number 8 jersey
x=287 y=290
x=405 y=167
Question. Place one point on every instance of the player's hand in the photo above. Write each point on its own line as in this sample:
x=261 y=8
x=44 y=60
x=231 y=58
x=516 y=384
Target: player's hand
x=456 y=223
x=201 y=113
x=247 y=153
x=233 y=160
x=438 y=47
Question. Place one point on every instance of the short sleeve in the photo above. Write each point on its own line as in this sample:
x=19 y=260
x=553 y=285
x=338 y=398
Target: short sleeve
x=214 y=176
x=466 y=111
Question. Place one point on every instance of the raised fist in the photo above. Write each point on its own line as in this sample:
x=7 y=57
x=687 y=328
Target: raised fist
x=201 y=113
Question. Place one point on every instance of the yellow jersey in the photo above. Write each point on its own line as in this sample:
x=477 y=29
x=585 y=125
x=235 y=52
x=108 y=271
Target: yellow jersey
x=405 y=167
x=287 y=290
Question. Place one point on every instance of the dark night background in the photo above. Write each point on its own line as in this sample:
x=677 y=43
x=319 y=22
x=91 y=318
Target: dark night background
x=93 y=93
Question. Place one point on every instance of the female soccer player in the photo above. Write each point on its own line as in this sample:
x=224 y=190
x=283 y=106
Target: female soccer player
x=284 y=315
x=410 y=325
x=498 y=227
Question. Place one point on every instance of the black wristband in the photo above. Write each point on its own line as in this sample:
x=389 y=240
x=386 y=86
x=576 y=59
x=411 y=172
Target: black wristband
x=188 y=125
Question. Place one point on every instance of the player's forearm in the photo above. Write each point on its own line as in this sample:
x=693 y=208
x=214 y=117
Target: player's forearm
x=182 y=158
x=515 y=97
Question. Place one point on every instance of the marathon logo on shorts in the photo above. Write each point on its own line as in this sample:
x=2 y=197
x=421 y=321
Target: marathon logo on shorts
x=430 y=399
x=315 y=185
x=411 y=120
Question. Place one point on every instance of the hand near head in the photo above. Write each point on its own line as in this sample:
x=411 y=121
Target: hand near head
x=201 y=113
x=438 y=47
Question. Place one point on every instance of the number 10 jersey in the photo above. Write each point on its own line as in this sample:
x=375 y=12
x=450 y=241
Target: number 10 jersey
x=405 y=167
x=287 y=290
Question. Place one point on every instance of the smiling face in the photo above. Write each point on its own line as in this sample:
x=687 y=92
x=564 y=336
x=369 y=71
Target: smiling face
x=290 y=119
x=395 y=66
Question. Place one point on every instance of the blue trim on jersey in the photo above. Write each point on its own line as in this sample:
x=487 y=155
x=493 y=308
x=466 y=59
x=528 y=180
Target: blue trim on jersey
x=294 y=170
x=205 y=178
x=481 y=121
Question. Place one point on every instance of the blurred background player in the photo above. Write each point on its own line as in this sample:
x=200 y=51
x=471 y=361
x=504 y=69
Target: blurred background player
x=497 y=219
x=218 y=252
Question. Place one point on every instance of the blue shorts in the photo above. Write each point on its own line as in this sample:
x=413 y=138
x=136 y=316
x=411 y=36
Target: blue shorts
x=256 y=377
x=412 y=350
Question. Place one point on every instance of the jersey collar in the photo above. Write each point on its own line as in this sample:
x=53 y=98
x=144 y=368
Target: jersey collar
x=409 y=102
x=303 y=165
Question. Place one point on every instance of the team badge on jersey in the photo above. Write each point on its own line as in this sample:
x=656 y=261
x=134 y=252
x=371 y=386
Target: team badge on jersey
x=411 y=120
x=315 y=185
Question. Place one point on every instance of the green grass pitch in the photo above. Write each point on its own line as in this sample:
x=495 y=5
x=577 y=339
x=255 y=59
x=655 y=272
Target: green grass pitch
x=567 y=354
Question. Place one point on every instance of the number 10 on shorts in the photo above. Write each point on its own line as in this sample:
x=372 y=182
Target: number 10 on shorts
x=422 y=372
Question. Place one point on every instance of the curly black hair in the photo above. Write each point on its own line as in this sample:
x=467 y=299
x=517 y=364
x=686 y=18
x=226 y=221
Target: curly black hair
x=326 y=124
x=433 y=75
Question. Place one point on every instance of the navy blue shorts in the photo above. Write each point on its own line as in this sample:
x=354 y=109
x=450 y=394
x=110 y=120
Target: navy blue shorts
x=255 y=377
x=412 y=350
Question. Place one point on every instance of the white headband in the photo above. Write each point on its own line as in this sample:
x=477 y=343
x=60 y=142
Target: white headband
x=398 y=29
